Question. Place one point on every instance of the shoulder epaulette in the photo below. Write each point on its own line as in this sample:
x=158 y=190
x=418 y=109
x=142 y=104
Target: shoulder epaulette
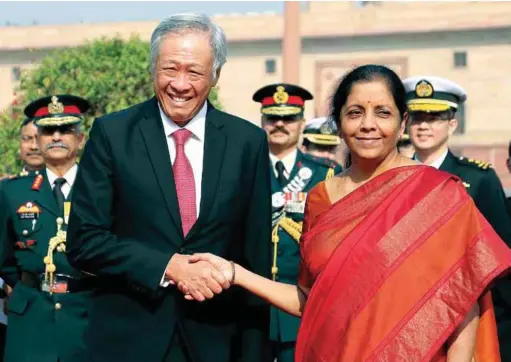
x=483 y=165
x=16 y=176
x=24 y=175
x=322 y=161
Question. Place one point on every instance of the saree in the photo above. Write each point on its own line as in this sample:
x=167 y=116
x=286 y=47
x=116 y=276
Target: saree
x=394 y=267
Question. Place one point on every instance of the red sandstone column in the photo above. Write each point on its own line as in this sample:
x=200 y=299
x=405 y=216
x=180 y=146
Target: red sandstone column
x=291 y=43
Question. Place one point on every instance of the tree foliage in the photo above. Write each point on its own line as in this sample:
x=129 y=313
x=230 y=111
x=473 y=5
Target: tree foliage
x=111 y=73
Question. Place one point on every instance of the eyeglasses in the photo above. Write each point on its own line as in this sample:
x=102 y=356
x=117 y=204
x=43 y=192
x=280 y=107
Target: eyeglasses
x=67 y=129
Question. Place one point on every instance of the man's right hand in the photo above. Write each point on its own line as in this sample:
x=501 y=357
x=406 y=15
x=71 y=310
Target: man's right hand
x=202 y=279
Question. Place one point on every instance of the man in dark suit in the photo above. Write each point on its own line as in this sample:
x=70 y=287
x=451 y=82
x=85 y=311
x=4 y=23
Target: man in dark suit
x=162 y=180
x=47 y=308
x=432 y=105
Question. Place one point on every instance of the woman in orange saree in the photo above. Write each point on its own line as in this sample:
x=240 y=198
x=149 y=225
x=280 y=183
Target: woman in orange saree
x=396 y=260
x=395 y=288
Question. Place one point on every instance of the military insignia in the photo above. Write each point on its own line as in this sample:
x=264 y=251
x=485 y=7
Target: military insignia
x=326 y=128
x=481 y=164
x=295 y=202
x=36 y=185
x=277 y=200
x=424 y=89
x=281 y=96
x=28 y=211
x=24 y=244
x=55 y=106
x=467 y=185
x=23 y=173
x=305 y=173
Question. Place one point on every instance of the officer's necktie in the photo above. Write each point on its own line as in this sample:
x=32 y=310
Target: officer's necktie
x=58 y=194
x=279 y=166
x=184 y=180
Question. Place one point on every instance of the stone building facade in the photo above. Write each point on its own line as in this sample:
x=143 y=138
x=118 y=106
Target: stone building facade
x=467 y=42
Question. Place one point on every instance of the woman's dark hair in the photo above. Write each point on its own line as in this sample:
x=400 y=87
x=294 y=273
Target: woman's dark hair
x=367 y=73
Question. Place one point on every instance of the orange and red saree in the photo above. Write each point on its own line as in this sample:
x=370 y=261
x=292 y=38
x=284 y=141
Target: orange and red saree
x=394 y=268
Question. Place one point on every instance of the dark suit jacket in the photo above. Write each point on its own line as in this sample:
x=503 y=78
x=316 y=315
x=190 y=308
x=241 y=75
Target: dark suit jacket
x=125 y=226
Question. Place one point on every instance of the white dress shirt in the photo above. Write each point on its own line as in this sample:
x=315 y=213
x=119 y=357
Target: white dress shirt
x=70 y=177
x=194 y=147
x=288 y=161
x=438 y=162
x=194 y=151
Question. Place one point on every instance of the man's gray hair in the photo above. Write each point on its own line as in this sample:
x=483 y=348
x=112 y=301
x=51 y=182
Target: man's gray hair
x=190 y=22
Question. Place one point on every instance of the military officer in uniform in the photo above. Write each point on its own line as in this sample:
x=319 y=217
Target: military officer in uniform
x=32 y=159
x=48 y=306
x=432 y=105
x=293 y=174
x=321 y=140
x=29 y=151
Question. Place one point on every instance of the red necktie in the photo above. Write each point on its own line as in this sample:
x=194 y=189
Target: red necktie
x=184 y=180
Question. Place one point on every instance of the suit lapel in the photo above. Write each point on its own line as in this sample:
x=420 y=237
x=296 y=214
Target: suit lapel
x=155 y=141
x=45 y=196
x=214 y=149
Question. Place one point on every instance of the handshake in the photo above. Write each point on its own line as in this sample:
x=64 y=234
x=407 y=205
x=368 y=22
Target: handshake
x=200 y=276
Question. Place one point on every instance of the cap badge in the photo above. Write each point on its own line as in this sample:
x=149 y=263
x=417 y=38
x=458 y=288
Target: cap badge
x=281 y=96
x=55 y=106
x=326 y=128
x=423 y=89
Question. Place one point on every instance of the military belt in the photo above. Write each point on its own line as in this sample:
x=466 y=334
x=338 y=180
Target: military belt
x=62 y=283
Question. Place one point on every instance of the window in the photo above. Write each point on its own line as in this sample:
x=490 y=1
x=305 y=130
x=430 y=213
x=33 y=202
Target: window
x=460 y=59
x=270 y=66
x=364 y=3
x=16 y=74
x=460 y=116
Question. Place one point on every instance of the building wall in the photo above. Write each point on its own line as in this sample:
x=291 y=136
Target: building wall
x=24 y=59
x=486 y=78
x=412 y=37
x=324 y=61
